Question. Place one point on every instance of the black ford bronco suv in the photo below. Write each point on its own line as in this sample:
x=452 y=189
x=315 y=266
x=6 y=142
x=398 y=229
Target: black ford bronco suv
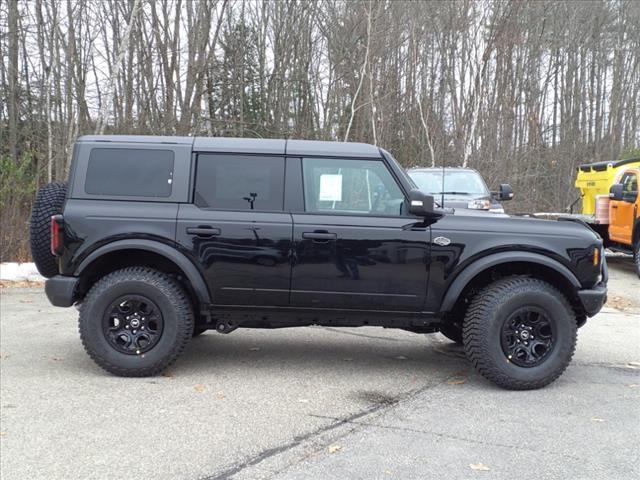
x=157 y=239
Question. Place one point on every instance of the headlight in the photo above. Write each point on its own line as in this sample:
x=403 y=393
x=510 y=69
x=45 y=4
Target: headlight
x=479 y=204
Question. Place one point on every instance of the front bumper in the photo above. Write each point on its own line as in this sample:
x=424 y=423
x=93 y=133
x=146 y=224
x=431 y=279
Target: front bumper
x=593 y=299
x=61 y=290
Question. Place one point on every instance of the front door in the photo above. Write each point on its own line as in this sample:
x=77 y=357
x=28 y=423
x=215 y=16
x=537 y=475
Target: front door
x=354 y=247
x=236 y=229
x=623 y=212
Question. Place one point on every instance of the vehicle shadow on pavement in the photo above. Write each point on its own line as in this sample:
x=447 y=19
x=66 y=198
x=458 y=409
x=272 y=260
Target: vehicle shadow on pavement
x=316 y=349
x=622 y=264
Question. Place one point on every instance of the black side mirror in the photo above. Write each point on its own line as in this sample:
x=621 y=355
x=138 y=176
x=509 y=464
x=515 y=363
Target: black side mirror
x=420 y=204
x=615 y=192
x=504 y=194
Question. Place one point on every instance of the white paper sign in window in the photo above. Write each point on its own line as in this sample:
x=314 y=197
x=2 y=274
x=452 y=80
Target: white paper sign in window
x=330 y=188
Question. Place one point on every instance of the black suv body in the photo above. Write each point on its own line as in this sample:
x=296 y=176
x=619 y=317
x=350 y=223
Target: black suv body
x=188 y=234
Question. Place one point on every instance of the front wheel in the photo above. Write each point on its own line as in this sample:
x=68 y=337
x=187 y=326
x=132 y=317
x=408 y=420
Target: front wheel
x=136 y=322
x=636 y=257
x=520 y=333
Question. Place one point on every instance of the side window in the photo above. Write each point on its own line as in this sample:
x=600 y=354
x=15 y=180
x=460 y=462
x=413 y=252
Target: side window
x=129 y=172
x=239 y=182
x=357 y=187
x=630 y=182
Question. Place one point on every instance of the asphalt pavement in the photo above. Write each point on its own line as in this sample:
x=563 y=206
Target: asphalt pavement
x=317 y=403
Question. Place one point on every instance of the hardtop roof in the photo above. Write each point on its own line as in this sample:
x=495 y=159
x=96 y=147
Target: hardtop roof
x=249 y=145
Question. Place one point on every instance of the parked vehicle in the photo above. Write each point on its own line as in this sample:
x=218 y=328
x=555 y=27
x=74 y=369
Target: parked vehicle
x=609 y=194
x=157 y=239
x=462 y=188
x=624 y=216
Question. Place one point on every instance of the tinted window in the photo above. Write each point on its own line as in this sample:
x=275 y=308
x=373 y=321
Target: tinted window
x=129 y=172
x=238 y=182
x=361 y=187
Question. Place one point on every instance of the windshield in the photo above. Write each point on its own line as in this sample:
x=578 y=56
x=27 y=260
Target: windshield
x=456 y=182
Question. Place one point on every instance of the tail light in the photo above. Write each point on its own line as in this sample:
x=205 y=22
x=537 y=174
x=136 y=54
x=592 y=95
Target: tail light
x=57 y=235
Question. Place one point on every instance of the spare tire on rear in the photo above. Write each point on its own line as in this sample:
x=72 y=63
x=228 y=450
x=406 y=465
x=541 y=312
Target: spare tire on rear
x=49 y=202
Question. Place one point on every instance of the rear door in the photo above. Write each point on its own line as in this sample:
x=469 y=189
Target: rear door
x=236 y=229
x=354 y=248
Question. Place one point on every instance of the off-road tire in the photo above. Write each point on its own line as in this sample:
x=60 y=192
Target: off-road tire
x=484 y=321
x=636 y=257
x=175 y=308
x=49 y=201
x=453 y=331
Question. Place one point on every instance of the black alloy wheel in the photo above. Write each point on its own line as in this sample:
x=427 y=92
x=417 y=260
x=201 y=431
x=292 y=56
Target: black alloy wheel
x=133 y=324
x=527 y=337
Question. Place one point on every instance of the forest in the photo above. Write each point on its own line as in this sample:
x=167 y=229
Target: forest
x=523 y=91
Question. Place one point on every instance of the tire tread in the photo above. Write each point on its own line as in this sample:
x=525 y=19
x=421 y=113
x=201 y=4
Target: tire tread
x=170 y=287
x=476 y=341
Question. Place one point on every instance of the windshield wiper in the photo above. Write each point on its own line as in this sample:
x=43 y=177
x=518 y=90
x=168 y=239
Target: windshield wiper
x=452 y=193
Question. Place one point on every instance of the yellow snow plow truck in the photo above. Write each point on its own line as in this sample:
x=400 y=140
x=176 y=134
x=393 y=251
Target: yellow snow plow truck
x=609 y=194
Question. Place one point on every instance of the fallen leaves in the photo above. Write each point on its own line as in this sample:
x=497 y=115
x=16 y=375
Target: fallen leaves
x=334 y=448
x=200 y=388
x=596 y=419
x=21 y=284
x=456 y=381
x=480 y=467
x=621 y=303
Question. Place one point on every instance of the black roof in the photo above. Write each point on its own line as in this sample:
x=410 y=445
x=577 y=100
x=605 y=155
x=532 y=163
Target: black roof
x=249 y=145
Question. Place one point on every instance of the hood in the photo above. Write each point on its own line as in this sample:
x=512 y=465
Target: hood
x=509 y=225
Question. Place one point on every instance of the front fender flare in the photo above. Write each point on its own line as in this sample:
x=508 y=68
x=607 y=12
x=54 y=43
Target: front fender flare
x=188 y=268
x=456 y=288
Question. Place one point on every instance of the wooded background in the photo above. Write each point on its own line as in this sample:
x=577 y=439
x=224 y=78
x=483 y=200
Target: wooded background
x=522 y=91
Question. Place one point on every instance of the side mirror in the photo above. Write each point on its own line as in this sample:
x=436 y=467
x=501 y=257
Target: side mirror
x=420 y=204
x=505 y=193
x=615 y=192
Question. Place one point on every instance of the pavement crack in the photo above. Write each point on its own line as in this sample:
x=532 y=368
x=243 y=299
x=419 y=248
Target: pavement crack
x=455 y=437
x=236 y=468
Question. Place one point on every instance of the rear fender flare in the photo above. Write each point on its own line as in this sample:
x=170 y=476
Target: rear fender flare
x=188 y=268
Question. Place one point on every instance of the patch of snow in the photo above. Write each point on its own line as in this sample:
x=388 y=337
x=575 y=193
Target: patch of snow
x=19 y=272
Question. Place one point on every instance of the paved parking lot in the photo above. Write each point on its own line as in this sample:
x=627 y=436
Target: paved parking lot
x=314 y=403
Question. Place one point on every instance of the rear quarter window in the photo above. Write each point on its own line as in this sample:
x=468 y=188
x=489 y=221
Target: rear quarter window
x=129 y=172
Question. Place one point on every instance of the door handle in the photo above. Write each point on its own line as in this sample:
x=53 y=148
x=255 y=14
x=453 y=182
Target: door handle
x=203 y=231
x=319 y=236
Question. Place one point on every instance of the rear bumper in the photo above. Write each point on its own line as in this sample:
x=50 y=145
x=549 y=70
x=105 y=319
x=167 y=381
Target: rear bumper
x=593 y=299
x=61 y=290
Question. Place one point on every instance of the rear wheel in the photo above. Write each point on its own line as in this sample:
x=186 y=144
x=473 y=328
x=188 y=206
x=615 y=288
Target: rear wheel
x=136 y=322
x=48 y=202
x=520 y=333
